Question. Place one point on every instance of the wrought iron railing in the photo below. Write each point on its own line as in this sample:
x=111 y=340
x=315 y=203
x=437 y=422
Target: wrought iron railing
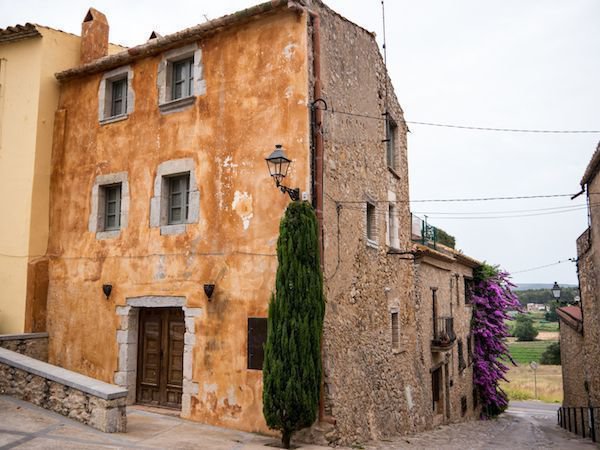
x=443 y=331
x=583 y=420
x=427 y=234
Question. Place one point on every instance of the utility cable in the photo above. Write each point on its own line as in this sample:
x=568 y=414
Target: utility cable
x=544 y=266
x=334 y=111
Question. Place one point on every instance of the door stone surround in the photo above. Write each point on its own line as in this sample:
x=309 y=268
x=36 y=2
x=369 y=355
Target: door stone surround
x=127 y=340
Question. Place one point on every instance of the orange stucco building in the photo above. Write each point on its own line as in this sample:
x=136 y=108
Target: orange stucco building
x=164 y=219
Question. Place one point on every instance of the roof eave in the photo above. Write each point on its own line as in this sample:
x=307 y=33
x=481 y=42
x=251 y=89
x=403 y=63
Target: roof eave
x=19 y=33
x=161 y=44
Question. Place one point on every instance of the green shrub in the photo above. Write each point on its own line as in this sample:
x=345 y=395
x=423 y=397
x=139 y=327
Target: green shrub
x=524 y=329
x=551 y=355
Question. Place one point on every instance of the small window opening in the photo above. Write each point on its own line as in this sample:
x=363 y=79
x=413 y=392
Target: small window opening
x=371 y=222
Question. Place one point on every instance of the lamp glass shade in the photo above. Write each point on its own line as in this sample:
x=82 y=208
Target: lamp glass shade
x=278 y=163
x=556 y=290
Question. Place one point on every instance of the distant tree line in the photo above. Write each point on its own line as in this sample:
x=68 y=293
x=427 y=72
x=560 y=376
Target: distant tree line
x=545 y=295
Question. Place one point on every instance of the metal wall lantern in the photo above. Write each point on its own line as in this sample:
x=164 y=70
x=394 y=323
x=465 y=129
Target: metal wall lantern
x=107 y=289
x=278 y=165
x=556 y=291
x=208 y=290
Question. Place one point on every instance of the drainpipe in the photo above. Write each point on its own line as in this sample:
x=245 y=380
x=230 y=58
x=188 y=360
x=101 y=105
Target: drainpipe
x=318 y=173
x=318 y=130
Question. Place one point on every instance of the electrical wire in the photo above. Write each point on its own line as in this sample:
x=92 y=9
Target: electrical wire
x=498 y=212
x=544 y=266
x=547 y=213
x=444 y=200
x=334 y=111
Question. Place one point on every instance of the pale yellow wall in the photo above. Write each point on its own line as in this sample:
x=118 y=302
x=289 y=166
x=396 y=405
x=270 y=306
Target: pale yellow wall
x=59 y=51
x=29 y=96
x=21 y=61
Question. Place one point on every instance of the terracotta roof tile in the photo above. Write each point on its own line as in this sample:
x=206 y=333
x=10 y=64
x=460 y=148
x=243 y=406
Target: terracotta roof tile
x=18 y=32
x=592 y=168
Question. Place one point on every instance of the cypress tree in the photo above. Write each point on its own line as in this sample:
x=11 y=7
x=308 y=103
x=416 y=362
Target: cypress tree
x=292 y=363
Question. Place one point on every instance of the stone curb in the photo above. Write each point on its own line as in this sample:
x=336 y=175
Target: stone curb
x=75 y=380
x=17 y=337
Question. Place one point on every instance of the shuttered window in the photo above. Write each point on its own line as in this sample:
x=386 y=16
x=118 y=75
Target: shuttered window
x=179 y=193
x=371 y=222
x=257 y=337
x=112 y=207
x=118 y=104
x=183 y=78
x=395 y=331
x=391 y=133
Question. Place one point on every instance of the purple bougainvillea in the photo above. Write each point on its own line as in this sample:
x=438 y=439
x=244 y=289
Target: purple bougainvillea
x=492 y=299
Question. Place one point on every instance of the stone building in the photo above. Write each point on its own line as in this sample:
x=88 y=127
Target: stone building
x=444 y=282
x=30 y=55
x=164 y=222
x=579 y=325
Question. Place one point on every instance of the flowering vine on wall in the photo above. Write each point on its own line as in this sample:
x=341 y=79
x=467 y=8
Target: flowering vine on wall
x=492 y=299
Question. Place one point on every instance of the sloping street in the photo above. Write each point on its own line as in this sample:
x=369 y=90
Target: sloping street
x=526 y=425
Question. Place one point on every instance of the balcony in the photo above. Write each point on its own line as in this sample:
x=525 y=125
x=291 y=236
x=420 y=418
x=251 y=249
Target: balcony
x=443 y=334
x=428 y=235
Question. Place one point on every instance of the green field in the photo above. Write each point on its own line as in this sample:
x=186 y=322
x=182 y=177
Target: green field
x=538 y=322
x=525 y=352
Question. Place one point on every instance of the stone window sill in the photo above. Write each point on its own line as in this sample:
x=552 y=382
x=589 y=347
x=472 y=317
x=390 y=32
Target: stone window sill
x=170 y=230
x=177 y=105
x=111 y=234
x=394 y=173
x=113 y=119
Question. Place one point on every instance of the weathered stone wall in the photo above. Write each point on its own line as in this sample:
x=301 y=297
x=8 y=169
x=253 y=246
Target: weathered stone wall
x=440 y=271
x=589 y=280
x=373 y=389
x=572 y=363
x=38 y=383
x=256 y=79
x=34 y=345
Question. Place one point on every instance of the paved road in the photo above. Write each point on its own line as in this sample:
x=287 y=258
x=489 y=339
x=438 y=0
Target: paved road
x=526 y=425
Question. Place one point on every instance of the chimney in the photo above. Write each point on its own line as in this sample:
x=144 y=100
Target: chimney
x=94 y=36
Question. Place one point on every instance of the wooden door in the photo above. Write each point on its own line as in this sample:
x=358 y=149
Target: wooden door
x=160 y=357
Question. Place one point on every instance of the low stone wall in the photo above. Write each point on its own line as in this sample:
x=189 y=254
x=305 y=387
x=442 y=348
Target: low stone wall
x=92 y=402
x=34 y=345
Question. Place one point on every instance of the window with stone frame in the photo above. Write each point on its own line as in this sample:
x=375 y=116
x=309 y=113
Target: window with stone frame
x=115 y=95
x=109 y=207
x=180 y=78
x=391 y=140
x=371 y=223
x=175 y=201
x=111 y=195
